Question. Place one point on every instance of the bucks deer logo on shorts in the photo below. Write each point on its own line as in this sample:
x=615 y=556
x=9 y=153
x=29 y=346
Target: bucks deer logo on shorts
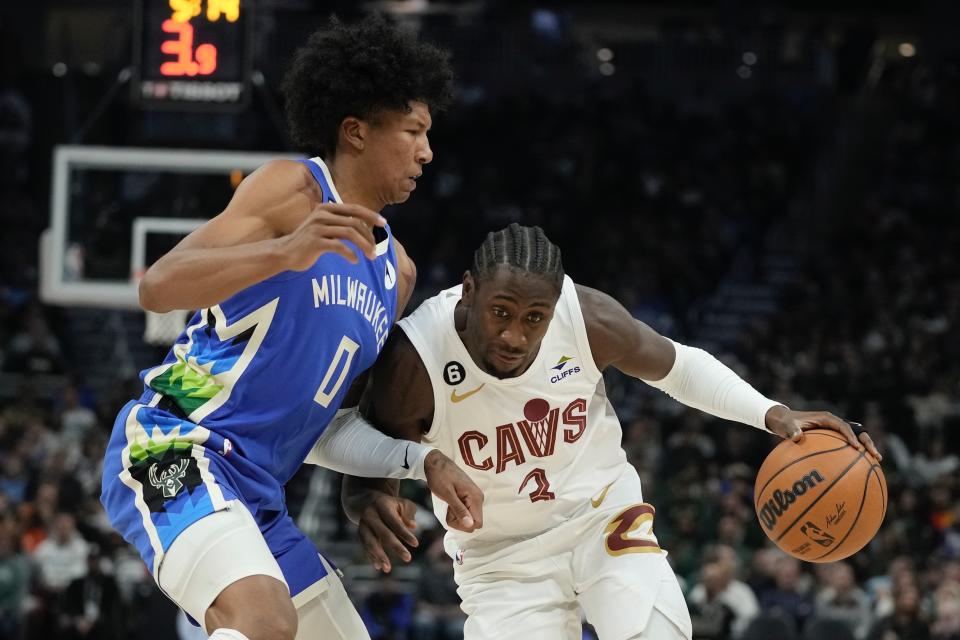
x=170 y=480
x=166 y=478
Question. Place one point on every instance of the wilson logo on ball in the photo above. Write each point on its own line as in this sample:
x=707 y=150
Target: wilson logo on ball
x=781 y=499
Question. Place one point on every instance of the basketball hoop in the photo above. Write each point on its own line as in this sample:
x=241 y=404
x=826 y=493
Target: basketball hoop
x=162 y=329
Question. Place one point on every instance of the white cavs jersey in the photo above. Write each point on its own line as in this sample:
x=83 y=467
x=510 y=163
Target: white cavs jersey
x=540 y=445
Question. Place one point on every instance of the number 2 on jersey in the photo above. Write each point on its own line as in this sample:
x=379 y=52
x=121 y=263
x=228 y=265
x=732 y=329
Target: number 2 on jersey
x=542 y=492
x=346 y=349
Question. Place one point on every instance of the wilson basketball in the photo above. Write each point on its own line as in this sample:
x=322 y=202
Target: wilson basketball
x=820 y=500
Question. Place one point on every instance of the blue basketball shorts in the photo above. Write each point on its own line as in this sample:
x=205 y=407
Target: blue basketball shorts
x=162 y=473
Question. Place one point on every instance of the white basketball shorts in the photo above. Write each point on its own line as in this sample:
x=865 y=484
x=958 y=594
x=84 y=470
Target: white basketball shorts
x=605 y=562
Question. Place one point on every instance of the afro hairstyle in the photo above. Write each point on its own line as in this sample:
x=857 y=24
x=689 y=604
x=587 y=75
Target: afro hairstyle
x=360 y=70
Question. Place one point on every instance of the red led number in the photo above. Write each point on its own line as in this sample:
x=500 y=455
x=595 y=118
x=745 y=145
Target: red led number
x=190 y=62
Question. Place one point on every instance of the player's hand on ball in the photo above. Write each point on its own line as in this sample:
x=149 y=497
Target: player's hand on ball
x=326 y=230
x=791 y=424
x=386 y=529
x=448 y=482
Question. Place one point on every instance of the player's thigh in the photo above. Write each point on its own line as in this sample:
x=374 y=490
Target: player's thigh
x=660 y=627
x=534 y=601
x=329 y=615
x=670 y=619
x=221 y=565
x=637 y=601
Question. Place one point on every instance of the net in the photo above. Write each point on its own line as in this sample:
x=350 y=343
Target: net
x=541 y=432
x=162 y=329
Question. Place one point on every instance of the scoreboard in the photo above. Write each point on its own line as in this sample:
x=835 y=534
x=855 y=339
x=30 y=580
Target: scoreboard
x=193 y=54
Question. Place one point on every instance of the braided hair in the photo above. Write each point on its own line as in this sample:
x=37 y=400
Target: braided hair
x=522 y=249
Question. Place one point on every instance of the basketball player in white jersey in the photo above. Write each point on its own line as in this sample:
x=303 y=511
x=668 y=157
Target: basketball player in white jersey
x=504 y=375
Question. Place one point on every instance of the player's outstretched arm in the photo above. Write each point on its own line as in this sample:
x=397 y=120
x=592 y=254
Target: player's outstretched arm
x=399 y=401
x=272 y=224
x=693 y=376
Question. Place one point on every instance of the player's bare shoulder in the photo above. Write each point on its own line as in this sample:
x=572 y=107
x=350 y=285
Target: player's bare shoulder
x=281 y=192
x=269 y=203
x=609 y=325
x=401 y=395
x=407 y=270
x=405 y=264
x=618 y=339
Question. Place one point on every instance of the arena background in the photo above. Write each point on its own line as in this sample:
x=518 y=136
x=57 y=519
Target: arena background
x=777 y=182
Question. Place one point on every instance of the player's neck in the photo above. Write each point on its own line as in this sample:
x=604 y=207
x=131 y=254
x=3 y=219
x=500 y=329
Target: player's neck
x=346 y=179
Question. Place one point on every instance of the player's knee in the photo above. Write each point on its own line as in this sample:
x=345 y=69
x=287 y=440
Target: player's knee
x=263 y=623
x=258 y=606
x=282 y=625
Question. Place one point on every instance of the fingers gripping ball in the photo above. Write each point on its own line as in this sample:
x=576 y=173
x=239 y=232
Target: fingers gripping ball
x=820 y=500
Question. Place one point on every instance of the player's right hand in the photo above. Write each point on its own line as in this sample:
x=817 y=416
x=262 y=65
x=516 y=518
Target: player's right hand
x=386 y=528
x=326 y=230
x=464 y=498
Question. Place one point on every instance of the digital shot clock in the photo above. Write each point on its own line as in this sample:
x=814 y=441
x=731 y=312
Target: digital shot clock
x=193 y=54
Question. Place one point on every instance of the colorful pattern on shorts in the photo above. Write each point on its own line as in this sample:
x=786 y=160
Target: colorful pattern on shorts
x=166 y=463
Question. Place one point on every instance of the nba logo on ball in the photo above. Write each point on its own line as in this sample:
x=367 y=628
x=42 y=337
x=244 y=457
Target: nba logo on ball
x=820 y=500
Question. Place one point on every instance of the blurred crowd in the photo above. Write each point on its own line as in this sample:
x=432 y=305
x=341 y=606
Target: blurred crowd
x=651 y=200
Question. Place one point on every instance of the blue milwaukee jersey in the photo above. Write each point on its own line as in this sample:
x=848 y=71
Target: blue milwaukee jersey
x=268 y=367
x=245 y=392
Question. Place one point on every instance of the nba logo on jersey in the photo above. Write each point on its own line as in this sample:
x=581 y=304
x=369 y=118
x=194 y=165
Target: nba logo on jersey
x=459 y=557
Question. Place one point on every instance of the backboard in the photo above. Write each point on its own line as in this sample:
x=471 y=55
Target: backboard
x=114 y=211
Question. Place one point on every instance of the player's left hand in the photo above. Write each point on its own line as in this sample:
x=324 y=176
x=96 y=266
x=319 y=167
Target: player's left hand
x=386 y=529
x=791 y=424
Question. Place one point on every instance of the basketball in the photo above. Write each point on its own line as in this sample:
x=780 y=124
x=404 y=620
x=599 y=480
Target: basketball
x=820 y=500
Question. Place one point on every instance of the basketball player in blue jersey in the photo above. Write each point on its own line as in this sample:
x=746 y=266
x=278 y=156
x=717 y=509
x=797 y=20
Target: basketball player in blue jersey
x=504 y=375
x=298 y=282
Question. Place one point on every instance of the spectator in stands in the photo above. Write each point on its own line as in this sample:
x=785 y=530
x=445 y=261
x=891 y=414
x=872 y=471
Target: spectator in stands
x=946 y=606
x=13 y=479
x=62 y=557
x=59 y=559
x=34 y=350
x=76 y=420
x=36 y=516
x=906 y=621
x=438 y=615
x=790 y=596
x=711 y=616
x=90 y=607
x=14 y=582
x=841 y=599
x=719 y=590
x=768 y=626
